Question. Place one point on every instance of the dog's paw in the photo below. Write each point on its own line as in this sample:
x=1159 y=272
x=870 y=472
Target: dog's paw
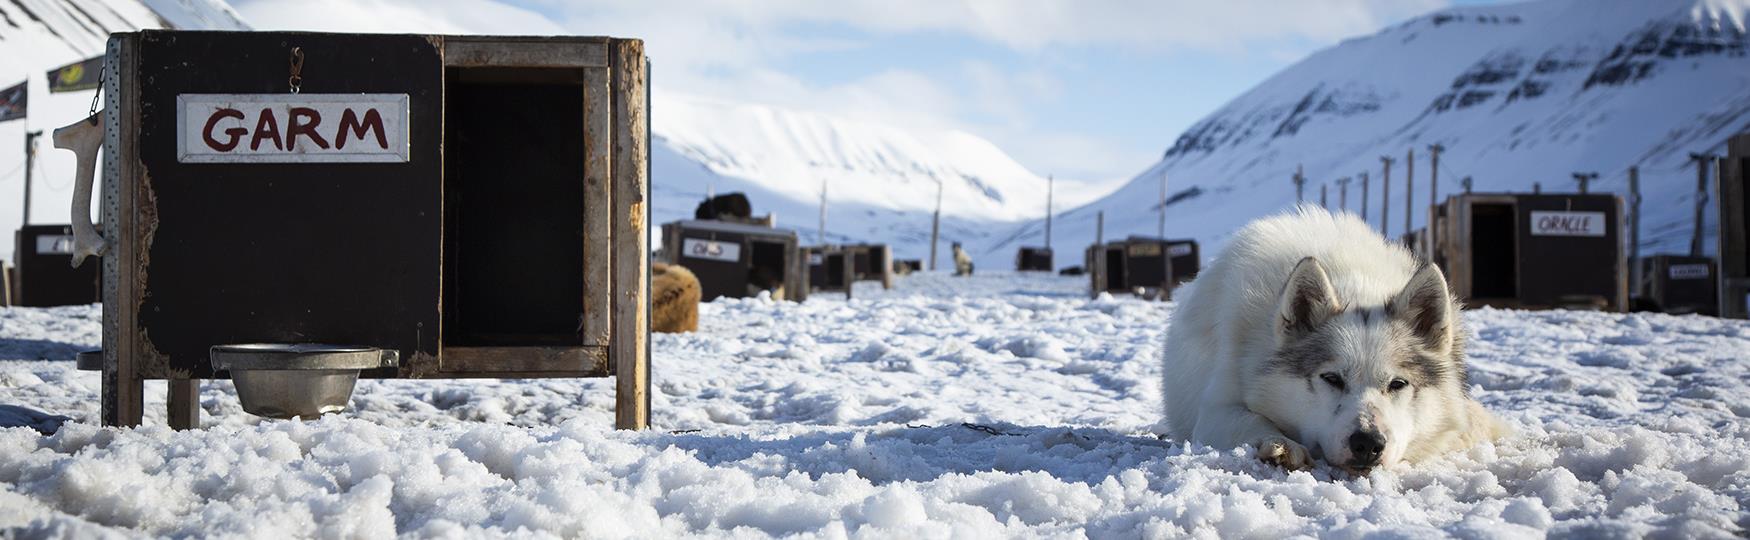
x=1282 y=452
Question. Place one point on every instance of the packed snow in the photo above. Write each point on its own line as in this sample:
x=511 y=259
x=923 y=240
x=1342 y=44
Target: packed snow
x=1002 y=405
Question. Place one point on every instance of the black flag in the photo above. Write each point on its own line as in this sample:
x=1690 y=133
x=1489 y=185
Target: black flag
x=12 y=101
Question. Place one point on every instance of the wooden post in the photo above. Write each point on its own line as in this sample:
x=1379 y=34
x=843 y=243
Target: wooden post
x=849 y=254
x=821 y=238
x=1385 y=197
x=29 y=168
x=1161 y=227
x=1343 y=193
x=1323 y=200
x=1701 y=163
x=935 y=225
x=184 y=403
x=1433 y=194
x=1634 y=227
x=122 y=403
x=1050 y=183
x=1299 y=184
x=629 y=352
x=1409 y=191
x=1585 y=179
x=1097 y=266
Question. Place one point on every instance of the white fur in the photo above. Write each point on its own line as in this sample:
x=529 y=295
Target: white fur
x=1228 y=327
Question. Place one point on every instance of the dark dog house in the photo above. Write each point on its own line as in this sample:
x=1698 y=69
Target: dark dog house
x=907 y=266
x=1150 y=264
x=45 y=275
x=1734 y=234
x=834 y=268
x=443 y=206
x=1678 y=284
x=1534 y=251
x=737 y=260
x=1033 y=259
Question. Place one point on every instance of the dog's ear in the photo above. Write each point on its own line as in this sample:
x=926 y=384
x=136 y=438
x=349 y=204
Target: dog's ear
x=1308 y=299
x=1426 y=306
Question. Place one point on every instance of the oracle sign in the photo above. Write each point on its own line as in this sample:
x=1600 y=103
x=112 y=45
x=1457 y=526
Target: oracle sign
x=1567 y=223
x=291 y=128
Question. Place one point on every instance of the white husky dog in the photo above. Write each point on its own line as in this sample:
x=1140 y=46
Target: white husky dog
x=1311 y=331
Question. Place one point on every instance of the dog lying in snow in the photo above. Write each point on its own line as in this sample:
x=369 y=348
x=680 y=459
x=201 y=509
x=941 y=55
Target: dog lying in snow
x=1313 y=336
x=674 y=299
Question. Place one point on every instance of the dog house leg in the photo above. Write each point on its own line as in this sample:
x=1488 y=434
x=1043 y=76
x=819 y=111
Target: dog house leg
x=123 y=404
x=630 y=348
x=184 y=402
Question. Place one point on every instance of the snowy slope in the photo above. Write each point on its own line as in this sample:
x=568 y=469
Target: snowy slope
x=1518 y=94
x=830 y=417
x=881 y=180
x=40 y=35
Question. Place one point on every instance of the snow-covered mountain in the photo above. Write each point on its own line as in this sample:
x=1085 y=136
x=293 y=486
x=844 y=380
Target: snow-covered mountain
x=880 y=180
x=40 y=35
x=1518 y=94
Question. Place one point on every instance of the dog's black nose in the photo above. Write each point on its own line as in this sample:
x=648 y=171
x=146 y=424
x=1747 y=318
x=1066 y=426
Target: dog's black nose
x=1366 y=447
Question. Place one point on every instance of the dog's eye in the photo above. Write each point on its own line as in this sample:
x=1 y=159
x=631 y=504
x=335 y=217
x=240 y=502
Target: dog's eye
x=1335 y=380
x=1397 y=384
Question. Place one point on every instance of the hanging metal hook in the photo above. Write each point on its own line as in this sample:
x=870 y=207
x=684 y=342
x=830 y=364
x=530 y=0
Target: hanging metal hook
x=297 y=78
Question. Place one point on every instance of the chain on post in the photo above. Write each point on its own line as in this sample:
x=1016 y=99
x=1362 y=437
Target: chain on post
x=91 y=114
x=296 y=81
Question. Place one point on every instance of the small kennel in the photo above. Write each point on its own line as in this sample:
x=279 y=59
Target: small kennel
x=1033 y=259
x=834 y=268
x=1678 y=284
x=737 y=260
x=1151 y=265
x=1534 y=251
x=316 y=207
x=45 y=273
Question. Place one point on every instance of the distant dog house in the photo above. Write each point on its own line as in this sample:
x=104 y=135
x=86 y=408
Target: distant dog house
x=1734 y=234
x=293 y=210
x=834 y=268
x=907 y=266
x=1534 y=251
x=1152 y=265
x=737 y=260
x=46 y=276
x=1033 y=259
x=1678 y=284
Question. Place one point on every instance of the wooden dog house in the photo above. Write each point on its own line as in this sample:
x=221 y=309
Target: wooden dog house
x=834 y=268
x=737 y=260
x=1734 y=235
x=1148 y=264
x=1533 y=251
x=45 y=275
x=470 y=206
x=1033 y=259
x=1678 y=284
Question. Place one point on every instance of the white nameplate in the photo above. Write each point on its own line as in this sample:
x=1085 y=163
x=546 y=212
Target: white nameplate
x=54 y=244
x=1179 y=250
x=292 y=128
x=711 y=250
x=1689 y=271
x=1567 y=223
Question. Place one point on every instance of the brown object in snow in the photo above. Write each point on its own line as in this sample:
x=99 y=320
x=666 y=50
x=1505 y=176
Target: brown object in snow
x=674 y=299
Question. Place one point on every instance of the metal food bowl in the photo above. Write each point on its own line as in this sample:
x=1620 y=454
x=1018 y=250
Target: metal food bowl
x=278 y=380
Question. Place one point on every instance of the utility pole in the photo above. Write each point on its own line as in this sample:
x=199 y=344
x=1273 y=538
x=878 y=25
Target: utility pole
x=1385 y=197
x=1363 y=196
x=1322 y=200
x=29 y=167
x=1409 y=191
x=1701 y=162
x=1097 y=265
x=1634 y=229
x=1161 y=228
x=1536 y=187
x=1299 y=183
x=935 y=225
x=1343 y=194
x=1050 y=182
x=1466 y=183
x=1585 y=179
x=1434 y=191
x=822 y=211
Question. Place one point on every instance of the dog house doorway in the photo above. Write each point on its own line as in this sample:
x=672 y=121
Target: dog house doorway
x=513 y=248
x=766 y=265
x=1115 y=272
x=1494 y=238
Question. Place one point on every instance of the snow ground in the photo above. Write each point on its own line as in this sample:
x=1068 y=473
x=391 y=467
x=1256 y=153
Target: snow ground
x=835 y=419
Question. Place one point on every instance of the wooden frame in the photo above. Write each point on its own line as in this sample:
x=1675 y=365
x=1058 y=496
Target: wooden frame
x=1456 y=247
x=879 y=259
x=742 y=235
x=613 y=329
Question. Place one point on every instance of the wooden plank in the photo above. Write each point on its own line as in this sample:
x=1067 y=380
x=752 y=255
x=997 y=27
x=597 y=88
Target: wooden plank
x=472 y=361
x=184 y=403
x=465 y=52
x=598 y=207
x=122 y=402
x=630 y=352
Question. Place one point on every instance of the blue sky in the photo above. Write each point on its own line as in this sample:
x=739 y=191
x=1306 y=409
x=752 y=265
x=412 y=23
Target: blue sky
x=1087 y=90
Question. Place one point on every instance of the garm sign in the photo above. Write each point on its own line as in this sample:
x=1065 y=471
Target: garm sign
x=292 y=128
x=1567 y=223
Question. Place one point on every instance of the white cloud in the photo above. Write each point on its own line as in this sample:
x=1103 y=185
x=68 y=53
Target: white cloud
x=732 y=49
